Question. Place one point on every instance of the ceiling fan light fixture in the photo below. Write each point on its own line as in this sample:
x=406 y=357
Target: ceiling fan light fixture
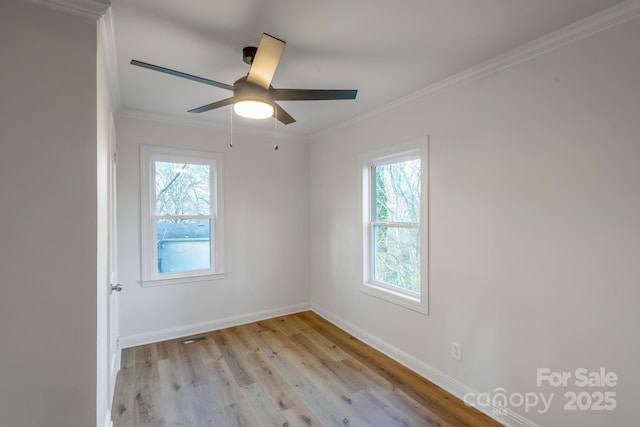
x=253 y=109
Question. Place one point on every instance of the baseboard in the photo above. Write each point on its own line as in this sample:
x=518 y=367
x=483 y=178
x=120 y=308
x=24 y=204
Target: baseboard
x=442 y=380
x=196 y=328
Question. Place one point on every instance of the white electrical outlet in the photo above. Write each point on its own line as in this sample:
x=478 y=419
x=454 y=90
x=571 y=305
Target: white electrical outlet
x=456 y=351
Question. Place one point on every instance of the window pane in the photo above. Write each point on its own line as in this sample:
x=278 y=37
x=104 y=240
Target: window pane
x=397 y=192
x=184 y=245
x=397 y=257
x=182 y=189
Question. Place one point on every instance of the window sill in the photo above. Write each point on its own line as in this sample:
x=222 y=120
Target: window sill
x=182 y=279
x=415 y=304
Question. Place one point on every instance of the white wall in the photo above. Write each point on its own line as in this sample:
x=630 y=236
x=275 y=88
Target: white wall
x=48 y=217
x=534 y=221
x=267 y=228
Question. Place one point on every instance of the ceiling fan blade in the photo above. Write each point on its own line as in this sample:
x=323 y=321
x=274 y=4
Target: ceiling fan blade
x=211 y=106
x=266 y=61
x=282 y=115
x=312 y=94
x=181 y=74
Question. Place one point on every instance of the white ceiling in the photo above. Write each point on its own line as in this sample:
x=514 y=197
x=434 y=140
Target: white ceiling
x=385 y=49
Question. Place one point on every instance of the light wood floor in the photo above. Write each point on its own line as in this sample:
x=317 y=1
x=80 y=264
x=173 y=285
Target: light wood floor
x=297 y=370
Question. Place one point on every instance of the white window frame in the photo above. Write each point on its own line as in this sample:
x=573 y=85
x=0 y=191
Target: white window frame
x=149 y=250
x=411 y=150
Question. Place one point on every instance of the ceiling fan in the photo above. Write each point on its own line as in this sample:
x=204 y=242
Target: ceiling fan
x=253 y=95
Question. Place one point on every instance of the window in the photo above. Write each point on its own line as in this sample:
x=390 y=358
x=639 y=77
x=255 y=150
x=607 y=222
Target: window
x=182 y=216
x=394 y=227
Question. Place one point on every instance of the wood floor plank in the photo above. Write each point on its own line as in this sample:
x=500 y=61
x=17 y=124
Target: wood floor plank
x=314 y=368
x=122 y=408
x=298 y=414
x=289 y=371
x=374 y=412
x=128 y=357
x=147 y=405
x=231 y=352
x=263 y=406
x=174 y=394
x=329 y=347
x=223 y=383
x=266 y=373
x=210 y=348
x=204 y=405
x=146 y=355
x=162 y=352
x=329 y=370
x=237 y=415
x=405 y=408
x=291 y=324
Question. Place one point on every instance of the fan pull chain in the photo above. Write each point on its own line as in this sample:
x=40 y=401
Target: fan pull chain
x=231 y=127
x=275 y=129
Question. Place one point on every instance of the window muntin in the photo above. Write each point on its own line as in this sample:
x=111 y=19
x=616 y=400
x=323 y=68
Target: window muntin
x=182 y=232
x=395 y=233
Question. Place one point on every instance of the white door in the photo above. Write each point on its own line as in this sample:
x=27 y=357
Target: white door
x=114 y=341
x=108 y=353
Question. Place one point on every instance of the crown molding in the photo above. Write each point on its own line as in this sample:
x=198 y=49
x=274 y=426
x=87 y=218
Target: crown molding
x=610 y=17
x=93 y=9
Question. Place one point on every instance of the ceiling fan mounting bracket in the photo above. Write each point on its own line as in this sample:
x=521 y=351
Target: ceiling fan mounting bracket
x=248 y=54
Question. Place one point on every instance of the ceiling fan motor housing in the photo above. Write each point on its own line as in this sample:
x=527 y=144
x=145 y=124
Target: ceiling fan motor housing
x=244 y=90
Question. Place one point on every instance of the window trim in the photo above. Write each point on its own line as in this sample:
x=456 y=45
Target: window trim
x=398 y=153
x=148 y=244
